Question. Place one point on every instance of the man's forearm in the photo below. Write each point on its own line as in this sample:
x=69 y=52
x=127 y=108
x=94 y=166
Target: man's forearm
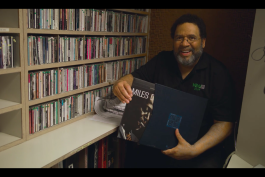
x=216 y=134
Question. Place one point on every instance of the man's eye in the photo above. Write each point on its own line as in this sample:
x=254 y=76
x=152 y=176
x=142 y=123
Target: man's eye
x=178 y=38
x=192 y=38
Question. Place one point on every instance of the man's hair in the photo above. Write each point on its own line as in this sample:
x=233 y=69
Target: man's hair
x=189 y=18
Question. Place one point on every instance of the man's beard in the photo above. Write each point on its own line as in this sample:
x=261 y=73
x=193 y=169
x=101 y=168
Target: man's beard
x=193 y=58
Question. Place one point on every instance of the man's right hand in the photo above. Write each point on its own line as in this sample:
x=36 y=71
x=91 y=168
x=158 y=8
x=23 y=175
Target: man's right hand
x=123 y=91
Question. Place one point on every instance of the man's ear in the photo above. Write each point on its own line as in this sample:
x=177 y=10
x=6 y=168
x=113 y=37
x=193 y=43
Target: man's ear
x=203 y=42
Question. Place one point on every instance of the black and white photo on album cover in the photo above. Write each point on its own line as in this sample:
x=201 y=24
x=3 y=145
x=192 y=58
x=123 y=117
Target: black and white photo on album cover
x=137 y=114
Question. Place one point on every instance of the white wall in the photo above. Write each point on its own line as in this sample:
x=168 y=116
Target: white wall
x=251 y=133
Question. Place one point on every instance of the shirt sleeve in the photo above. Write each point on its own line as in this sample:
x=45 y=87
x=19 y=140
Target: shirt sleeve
x=223 y=99
x=147 y=71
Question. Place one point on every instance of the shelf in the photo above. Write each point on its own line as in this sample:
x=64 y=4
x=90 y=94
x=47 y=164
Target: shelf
x=64 y=123
x=12 y=102
x=7 y=106
x=10 y=30
x=11 y=128
x=10 y=70
x=11 y=87
x=237 y=162
x=17 y=60
x=52 y=147
x=78 y=33
x=6 y=139
x=65 y=94
x=81 y=62
x=47 y=147
x=131 y=11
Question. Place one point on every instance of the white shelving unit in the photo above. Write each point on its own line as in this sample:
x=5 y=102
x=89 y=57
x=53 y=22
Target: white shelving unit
x=52 y=147
x=12 y=115
x=19 y=148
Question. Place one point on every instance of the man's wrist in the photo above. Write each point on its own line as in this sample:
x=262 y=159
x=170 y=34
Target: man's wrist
x=197 y=150
x=116 y=82
x=127 y=78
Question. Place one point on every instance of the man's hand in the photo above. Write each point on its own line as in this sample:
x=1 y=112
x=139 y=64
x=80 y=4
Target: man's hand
x=123 y=91
x=183 y=151
x=216 y=134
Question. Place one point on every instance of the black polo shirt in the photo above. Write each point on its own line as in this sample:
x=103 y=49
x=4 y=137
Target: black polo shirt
x=209 y=79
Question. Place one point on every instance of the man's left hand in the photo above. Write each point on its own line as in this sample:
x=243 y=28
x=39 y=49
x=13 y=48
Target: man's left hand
x=183 y=151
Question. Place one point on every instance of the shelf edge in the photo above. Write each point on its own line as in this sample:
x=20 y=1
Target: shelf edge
x=82 y=62
x=10 y=70
x=11 y=108
x=65 y=94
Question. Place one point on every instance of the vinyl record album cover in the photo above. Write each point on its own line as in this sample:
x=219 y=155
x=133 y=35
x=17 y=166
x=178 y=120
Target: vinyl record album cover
x=173 y=109
x=138 y=112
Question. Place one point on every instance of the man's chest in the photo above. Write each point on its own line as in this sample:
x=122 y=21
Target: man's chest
x=196 y=83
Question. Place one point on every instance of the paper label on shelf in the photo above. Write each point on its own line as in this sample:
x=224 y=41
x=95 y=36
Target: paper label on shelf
x=4 y=29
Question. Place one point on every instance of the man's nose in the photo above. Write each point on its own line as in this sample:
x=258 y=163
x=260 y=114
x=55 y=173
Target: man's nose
x=185 y=42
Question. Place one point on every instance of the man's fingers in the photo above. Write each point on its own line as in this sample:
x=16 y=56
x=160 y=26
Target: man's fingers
x=128 y=88
x=121 y=97
x=116 y=92
x=167 y=152
x=124 y=93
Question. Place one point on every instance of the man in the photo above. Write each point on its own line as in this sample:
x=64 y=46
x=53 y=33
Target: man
x=145 y=114
x=189 y=69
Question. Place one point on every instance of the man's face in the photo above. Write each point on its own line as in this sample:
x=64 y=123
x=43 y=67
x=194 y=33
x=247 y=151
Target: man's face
x=145 y=115
x=188 y=53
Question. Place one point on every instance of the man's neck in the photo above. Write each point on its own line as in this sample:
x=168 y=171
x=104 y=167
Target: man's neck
x=185 y=70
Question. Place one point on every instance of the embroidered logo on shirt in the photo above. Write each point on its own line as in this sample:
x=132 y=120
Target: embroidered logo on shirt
x=198 y=86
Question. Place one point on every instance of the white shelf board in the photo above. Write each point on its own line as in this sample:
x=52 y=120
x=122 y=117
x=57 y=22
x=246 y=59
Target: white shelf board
x=44 y=149
x=6 y=139
x=237 y=162
x=6 y=103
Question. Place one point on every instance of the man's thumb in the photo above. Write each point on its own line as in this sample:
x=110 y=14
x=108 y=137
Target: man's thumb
x=179 y=137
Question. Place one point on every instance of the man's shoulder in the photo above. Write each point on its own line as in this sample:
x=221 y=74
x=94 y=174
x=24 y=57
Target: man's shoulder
x=166 y=53
x=216 y=66
x=162 y=58
x=163 y=55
